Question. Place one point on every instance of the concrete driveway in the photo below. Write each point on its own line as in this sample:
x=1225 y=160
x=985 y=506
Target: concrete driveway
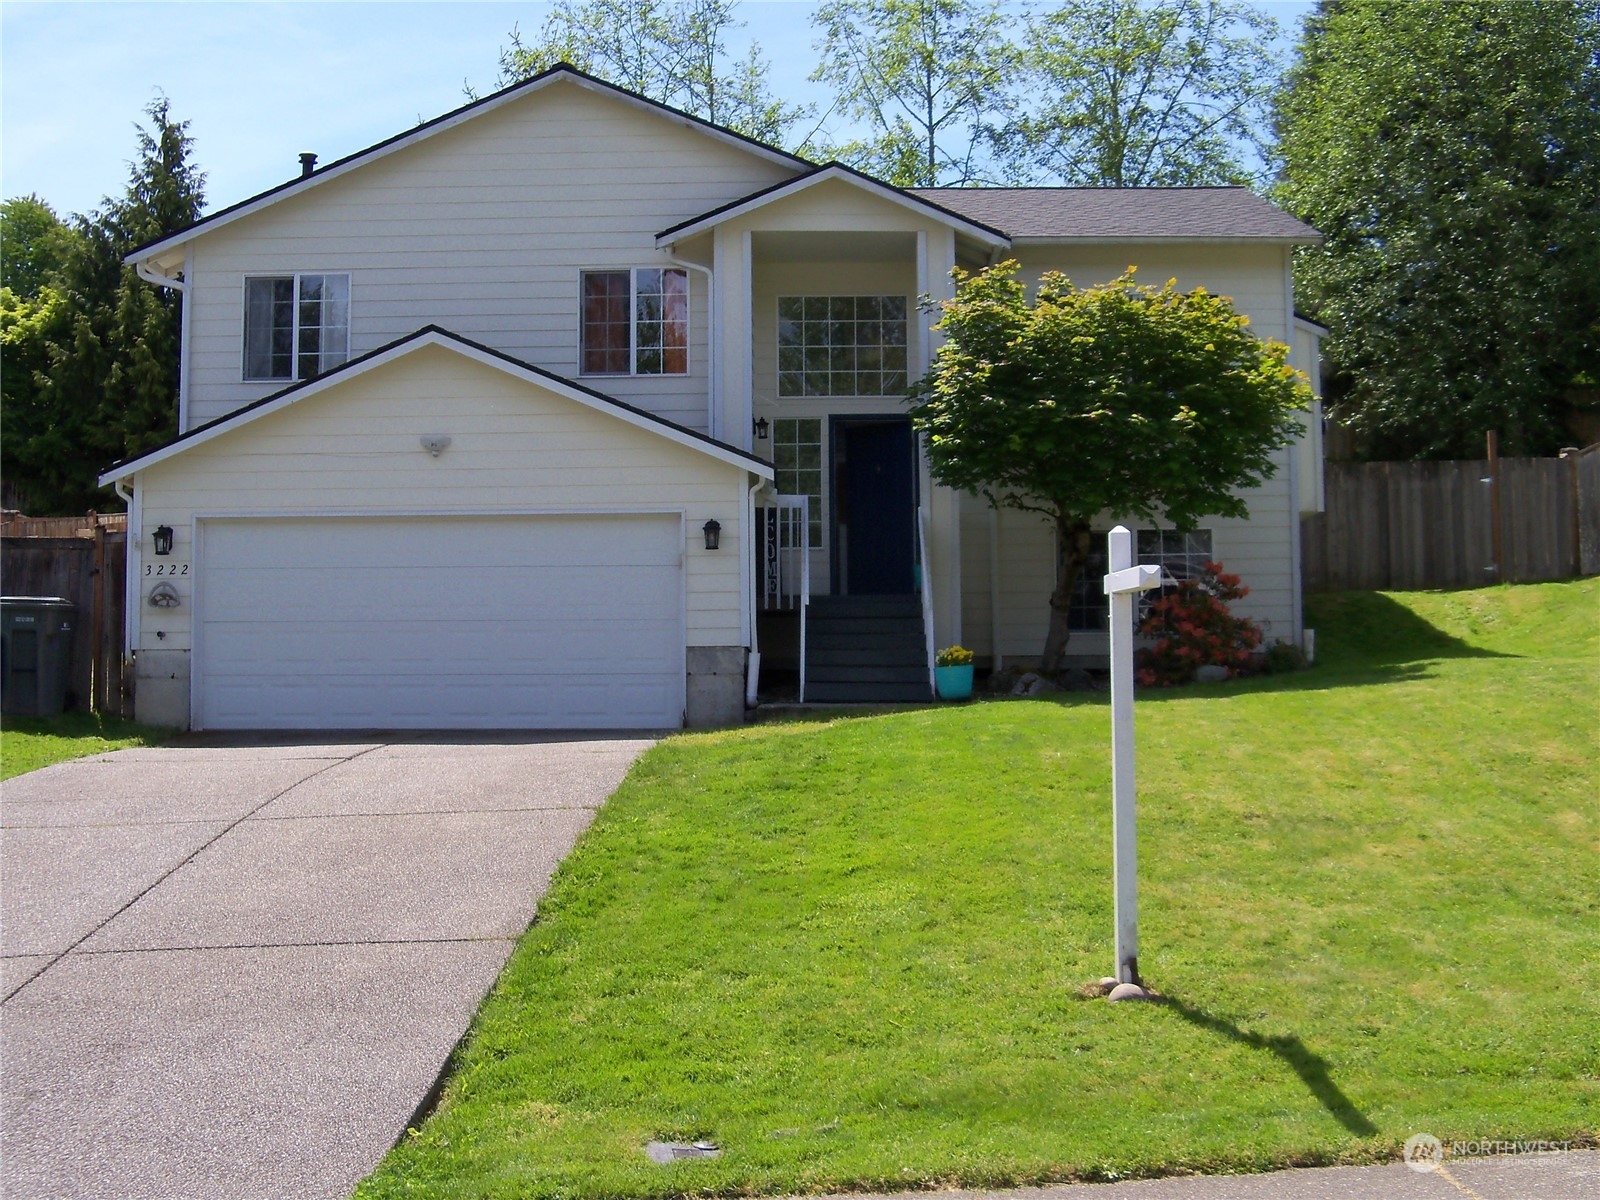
x=235 y=970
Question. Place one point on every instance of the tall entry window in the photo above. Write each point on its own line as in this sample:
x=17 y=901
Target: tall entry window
x=635 y=322
x=841 y=345
x=295 y=326
x=797 y=466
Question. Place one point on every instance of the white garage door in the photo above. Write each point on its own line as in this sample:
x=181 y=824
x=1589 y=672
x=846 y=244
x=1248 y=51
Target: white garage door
x=440 y=623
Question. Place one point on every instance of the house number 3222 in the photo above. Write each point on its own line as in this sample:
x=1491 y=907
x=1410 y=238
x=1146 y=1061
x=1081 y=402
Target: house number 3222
x=166 y=568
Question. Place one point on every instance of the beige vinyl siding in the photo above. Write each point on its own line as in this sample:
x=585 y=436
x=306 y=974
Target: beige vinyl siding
x=1251 y=276
x=483 y=229
x=515 y=447
x=1260 y=549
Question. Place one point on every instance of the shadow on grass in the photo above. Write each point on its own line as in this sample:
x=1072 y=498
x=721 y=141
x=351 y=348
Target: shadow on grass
x=1312 y=1068
x=1363 y=638
x=1370 y=627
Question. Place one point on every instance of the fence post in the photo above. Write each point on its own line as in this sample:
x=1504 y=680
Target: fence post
x=1570 y=455
x=1496 y=514
x=98 y=701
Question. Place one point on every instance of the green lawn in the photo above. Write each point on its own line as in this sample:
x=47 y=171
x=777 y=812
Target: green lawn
x=849 y=950
x=28 y=743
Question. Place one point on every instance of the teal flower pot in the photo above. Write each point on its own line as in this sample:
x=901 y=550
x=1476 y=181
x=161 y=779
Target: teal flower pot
x=954 y=683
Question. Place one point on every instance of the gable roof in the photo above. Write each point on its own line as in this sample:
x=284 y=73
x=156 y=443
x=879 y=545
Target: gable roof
x=915 y=199
x=1124 y=214
x=561 y=72
x=433 y=335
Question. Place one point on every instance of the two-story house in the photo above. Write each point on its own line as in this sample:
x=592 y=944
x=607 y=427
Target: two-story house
x=545 y=413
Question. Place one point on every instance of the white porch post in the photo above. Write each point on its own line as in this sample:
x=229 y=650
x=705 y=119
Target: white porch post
x=936 y=257
x=731 y=276
x=1121 y=585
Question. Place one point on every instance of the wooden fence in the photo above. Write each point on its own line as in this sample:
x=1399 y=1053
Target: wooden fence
x=1408 y=525
x=14 y=524
x=89 y=569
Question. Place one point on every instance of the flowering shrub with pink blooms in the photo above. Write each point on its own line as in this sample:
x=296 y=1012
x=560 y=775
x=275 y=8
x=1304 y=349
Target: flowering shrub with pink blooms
x=1193 y=628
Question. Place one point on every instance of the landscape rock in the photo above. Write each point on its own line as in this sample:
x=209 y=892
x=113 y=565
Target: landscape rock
x=1076 y=679
x=1210 y=673
x=1128 y=991
x=1033 y=684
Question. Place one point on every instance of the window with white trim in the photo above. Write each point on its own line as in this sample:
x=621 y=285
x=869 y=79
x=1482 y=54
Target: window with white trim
x=1180 y=555
x=635 y=322
x=295 y=326
x=797 y=466
x=841 y=345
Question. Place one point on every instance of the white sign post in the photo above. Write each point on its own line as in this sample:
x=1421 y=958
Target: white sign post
x=1123 y=583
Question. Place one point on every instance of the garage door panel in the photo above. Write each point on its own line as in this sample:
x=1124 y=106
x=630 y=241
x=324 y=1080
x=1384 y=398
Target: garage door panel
x=395 y=702
x=544 y=622
x=429 y=594
x=551 y=648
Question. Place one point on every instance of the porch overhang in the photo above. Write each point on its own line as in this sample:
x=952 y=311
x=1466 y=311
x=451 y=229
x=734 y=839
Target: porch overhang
x=991 y=238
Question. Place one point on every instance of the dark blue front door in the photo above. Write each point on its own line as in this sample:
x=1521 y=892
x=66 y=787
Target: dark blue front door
x=878 y=505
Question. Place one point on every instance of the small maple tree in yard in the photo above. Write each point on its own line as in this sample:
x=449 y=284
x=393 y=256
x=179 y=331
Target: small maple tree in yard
x=1137 y=401
x=1193 y=628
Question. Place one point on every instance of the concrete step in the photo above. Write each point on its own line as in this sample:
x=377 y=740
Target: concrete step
x=875 y=673
x=874 y=653
x=868 y=693
x=872 y=626
x=867 y=606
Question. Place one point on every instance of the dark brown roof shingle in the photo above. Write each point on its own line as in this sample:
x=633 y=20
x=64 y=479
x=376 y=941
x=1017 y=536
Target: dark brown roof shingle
x=1204 y=212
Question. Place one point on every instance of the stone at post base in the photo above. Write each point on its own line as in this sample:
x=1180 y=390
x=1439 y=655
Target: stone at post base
x=1128 y=991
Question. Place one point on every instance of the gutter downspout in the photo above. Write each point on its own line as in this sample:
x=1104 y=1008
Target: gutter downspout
x=997 y=660
x=713 y=336
x=130 y=585
x=181 y=286
x=1296 y=575
x=747 y=591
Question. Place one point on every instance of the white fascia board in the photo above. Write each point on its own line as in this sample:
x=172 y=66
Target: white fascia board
x=785 y=190
x=1314 y=328
x=317 y=386
x=361 y=158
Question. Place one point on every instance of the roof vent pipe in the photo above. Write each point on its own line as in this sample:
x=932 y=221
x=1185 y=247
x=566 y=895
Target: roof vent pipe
x=308 y=164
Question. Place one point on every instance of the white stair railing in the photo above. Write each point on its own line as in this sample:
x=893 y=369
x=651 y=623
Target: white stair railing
x=924 y=576
x=784 y=524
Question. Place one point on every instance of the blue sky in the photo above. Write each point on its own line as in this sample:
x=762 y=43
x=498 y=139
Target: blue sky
x=260 y=82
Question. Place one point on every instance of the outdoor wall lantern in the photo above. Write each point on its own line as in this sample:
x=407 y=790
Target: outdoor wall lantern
x=163 y=539
x=763 y=427
x=713 y=532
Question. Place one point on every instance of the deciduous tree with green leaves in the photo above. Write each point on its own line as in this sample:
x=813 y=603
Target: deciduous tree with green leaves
x=1138 y=401
x=1124 y=93
x=927 y=78
x=1450 y=155
x=673 y=51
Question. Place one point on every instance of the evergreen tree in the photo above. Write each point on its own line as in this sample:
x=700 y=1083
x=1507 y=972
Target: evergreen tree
x=91 y=360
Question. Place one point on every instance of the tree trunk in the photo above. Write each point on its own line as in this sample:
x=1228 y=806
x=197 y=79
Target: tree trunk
x=1073 y=542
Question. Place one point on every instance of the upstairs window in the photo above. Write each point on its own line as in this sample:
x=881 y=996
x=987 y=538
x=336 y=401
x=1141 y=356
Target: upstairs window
x=635 y=322
x=841 y=345
x=295 y=326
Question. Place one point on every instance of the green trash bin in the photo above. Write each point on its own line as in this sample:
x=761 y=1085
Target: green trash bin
x=35 y=654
